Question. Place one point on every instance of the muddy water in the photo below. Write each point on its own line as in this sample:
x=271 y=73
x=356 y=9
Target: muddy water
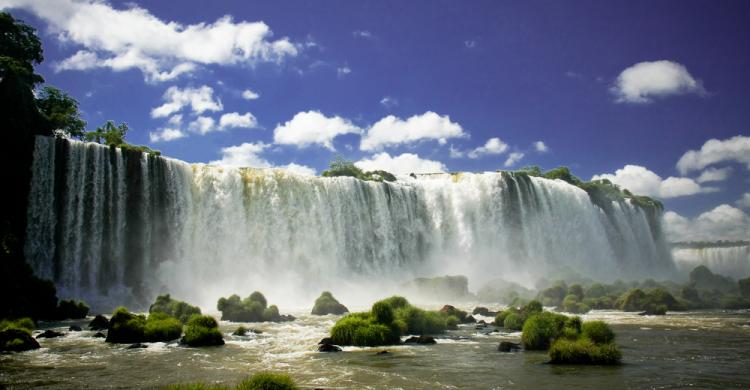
x=696 y=349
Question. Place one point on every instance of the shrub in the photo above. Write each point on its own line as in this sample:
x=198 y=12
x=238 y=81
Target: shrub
x=533 y=307
x=382 y=312
x=500 y=317
x=397 y=302
x=583 y=351
x=178 y=309
x=26 y=324
x=267 y=381
x=449 y=310
x=251 y=309
x=598 y=332
x=126 y=327
x=540 y=329
x=162 y=327
x=202 y=330
x=513 y=321
x=452 y=323
x=72 y=309
x=327 y=304
x=362 y=331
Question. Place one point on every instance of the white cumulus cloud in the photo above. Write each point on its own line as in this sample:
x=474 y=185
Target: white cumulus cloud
x=234 y=120
x=403 y=164
x=492 y=146
x=714 y=174
x=299 y=169
x=513 y=158
x=202 y=125
x=642 y=181
x=540 y=147
x=312 y=127
x=644 y=81
x=392 y=130
x=744 y=201
x=132 y=37
x=199 y=99
x=250 y=94
x=722 y=223
x=735 y=149
x=165 y=134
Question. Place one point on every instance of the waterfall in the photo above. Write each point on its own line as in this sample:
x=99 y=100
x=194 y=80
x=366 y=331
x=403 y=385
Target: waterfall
x=732 y=261
x=114 y=226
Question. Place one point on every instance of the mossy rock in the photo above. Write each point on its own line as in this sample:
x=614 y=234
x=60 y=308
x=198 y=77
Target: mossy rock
x=178 y=309
x=126 y=327
x=17 y=340
x=362 y=331
x=327 y=304
x=99 y=322
x=72 y=309
x=584 y=351
x=201 y=331
x=162 y=327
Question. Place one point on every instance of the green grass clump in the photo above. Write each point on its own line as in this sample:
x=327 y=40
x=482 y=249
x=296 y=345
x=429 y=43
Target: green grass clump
x=201 y=331
x=162 y=327
x=126 y=327
x=513 y=321
x=327 y=304
x=259 y=381
x=540 y=329
x=254 y=308
x=267 y=381
x=387 y=321
x=26 y=324
x=583 y=351
x=598 y=332
x=178 y=309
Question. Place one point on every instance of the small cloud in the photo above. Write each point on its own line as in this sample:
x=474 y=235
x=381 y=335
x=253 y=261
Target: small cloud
x=573 y=75
x=735 y=149
x=492 y=146
x=744 y=201
x=298 y=169
x=456 y=153
x=362 y=34
x=714 y=174
x=343 y=71
x=249 y=94
x=389 y=102
x=513 y=158
x=393 y=130
x=470 y=44
x=642 y=181
x=403 y=164
x=202 y=125
x=540 y=147
x=312 y=127
x=644 y=81
x=234 y=120
x=166 y=134
x=199 y=99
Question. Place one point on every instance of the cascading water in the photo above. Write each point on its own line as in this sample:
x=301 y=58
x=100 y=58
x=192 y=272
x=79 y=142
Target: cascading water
x=732 y=261
x=114 y=226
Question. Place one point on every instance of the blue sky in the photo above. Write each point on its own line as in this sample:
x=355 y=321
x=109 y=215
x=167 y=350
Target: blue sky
x=623 y=89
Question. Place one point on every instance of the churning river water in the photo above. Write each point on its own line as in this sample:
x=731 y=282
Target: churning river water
x=704 y=349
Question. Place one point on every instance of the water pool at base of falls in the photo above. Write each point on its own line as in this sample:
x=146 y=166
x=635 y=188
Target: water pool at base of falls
x=704 y=349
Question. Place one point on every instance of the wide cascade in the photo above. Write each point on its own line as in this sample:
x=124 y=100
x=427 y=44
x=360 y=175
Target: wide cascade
x=729 y=260
x=110 y=225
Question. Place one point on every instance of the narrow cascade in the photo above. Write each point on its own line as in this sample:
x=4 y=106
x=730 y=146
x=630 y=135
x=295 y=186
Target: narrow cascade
x=732 y=261
x=124 y=226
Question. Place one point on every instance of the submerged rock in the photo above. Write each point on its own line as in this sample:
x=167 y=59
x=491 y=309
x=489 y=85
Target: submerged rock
x=136 y=346
x=384 y=352
x=325 y=340
x=241 y=331
x=74 y=328
x=420 y=340
x=507 y=346
x=17 y=340
x=484 y=311
x=50 y=334
x=99 y=335
x=99 y=322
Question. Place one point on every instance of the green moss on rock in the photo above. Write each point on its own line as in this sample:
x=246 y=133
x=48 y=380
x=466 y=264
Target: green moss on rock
x=327 y=304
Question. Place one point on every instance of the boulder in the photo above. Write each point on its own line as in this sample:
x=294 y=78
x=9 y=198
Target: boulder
x=384 y=352
x=136 y=346
x=507 y=346
x=328 y=348
x=17 y=340
x=99 y=322
x=50 y=334
x=325 y=340
x=99 y=335
x=420 y=340
x=74 y=328
x=327 y=304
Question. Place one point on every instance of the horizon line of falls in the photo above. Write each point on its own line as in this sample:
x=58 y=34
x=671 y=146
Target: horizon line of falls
x=117 y=227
